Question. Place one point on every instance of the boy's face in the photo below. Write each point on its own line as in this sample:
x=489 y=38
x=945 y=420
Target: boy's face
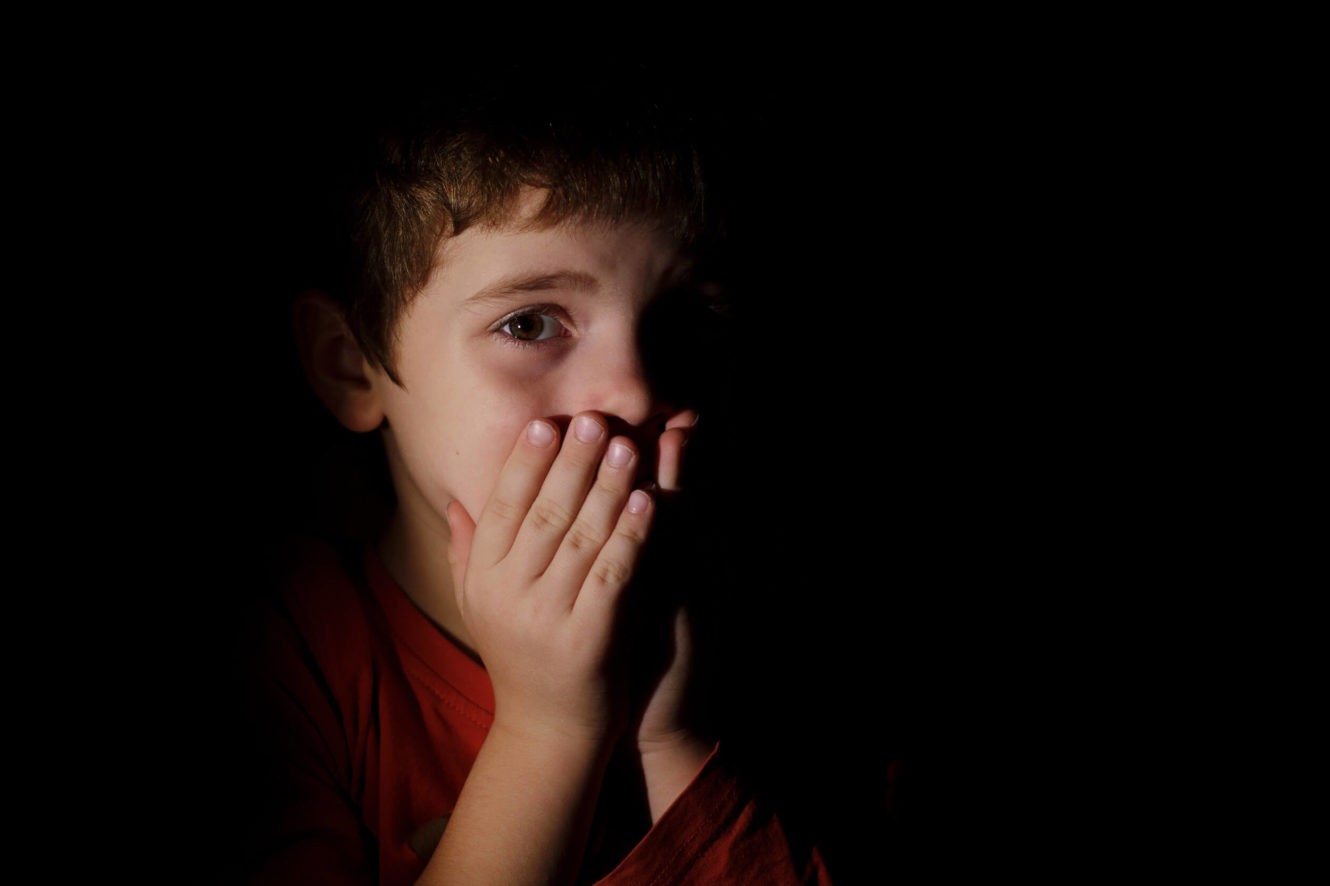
x=513 y=325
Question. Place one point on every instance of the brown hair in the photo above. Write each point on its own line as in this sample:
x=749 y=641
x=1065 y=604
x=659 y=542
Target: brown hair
x=609 y=151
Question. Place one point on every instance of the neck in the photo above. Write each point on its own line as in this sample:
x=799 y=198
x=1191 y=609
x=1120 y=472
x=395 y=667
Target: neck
x=416 y=557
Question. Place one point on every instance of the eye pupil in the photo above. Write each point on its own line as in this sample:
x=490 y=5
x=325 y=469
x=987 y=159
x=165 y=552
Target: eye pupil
x=527 y=327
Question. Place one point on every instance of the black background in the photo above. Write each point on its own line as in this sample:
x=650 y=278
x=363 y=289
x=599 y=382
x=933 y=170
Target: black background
x=893 y=243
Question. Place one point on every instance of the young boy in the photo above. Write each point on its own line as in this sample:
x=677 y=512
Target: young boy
x=476 y=696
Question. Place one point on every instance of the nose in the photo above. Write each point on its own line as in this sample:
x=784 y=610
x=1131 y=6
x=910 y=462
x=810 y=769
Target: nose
x=618 y=385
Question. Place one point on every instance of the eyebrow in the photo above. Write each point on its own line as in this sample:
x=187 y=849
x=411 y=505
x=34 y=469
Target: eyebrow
x=505 y=288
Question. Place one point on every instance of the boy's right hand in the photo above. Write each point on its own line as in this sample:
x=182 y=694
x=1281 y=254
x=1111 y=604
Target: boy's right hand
x=540 y=575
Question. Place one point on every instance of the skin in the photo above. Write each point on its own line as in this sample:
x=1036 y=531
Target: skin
x=520 y=520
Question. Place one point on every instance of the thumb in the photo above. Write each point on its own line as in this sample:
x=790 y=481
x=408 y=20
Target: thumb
x=461 y=530
x=683 y=639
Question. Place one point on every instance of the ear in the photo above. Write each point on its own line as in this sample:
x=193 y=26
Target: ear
x=337 y=369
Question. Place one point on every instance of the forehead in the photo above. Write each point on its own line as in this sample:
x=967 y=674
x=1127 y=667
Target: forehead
x=486 y=263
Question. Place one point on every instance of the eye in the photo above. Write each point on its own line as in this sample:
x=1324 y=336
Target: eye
x=532 y=326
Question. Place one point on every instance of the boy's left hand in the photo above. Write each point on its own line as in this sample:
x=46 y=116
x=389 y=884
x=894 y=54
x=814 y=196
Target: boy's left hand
x=662 y=715
x=670 y=751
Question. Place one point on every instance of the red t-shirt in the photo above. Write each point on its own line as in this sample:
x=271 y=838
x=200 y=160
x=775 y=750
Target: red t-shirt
x=379 y=718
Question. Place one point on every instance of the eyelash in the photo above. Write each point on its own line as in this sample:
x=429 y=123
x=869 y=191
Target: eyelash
x=554 y=312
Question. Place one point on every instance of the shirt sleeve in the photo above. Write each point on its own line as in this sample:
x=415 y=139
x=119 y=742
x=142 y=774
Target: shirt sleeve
x=716 y=832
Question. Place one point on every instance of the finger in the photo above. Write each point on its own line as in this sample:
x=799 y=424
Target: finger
x=596 y=520
x=517 y=487
x=669 y=449
x=669 y=459
x=560 y=499
x=683 y=638
x=615 y=563
x=684 y=418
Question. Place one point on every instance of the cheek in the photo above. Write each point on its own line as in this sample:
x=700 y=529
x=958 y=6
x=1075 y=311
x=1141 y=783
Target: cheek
x=481 y=450
x=482 y=460
x=456 y=436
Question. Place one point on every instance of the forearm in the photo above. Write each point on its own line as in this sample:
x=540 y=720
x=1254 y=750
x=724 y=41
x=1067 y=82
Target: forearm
x=669 y=767
x=524 y=814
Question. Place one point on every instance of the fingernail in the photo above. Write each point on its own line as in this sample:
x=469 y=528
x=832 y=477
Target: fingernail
x=620 y=455
x=638 y=502
x=539 y=433
x=586 y=429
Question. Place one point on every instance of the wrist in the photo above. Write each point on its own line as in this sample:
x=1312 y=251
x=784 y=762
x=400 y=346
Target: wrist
x=669 y=764
x=671 y=742
x=553 y=731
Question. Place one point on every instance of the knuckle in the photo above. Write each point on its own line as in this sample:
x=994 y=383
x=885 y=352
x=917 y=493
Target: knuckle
x=505 y=511
x=633 y=533
x=607 y=497
x=546 y=515
x=611 y=571
x=582 y=537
